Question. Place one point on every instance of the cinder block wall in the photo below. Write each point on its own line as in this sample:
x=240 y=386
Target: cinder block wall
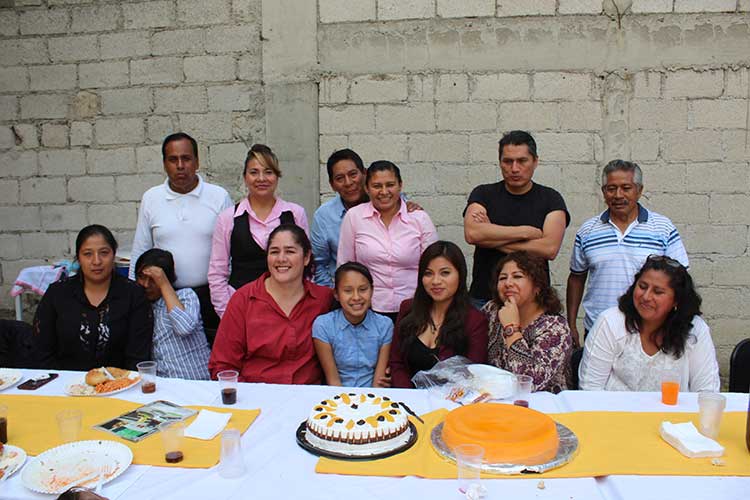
x=89 y=88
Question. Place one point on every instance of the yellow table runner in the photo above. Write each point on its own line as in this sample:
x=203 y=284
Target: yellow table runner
x=32 y=425
x=609 y=443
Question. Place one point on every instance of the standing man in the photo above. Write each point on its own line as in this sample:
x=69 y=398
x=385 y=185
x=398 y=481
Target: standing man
x=179 y=216
x=513 y=214
x=612 y=246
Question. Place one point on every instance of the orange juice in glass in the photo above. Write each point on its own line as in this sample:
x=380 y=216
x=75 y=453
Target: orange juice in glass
x=670 y=387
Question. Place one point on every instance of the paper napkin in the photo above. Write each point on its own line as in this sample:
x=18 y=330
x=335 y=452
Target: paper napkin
x=688 y=441
x=207 y=425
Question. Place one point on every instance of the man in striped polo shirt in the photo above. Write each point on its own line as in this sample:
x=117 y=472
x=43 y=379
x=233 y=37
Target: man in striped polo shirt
x=612 y=246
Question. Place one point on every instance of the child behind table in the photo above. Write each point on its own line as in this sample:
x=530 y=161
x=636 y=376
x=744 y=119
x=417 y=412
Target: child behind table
x=353 y=342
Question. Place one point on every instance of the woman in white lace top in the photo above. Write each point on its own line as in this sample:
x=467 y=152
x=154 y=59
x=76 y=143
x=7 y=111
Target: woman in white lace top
x=656 y=327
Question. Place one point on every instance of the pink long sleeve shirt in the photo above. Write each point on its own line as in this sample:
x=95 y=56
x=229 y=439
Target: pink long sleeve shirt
x=390 y=253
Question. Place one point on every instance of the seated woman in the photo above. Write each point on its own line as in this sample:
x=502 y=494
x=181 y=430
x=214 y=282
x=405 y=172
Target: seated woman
x=238 y=254
x=266 y=333
x=179 y=346
x=528 y=335
x=96 y=317
x=439 y=322
x=656 y=327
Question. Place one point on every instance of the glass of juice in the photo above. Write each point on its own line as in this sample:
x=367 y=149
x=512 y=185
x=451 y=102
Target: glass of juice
x=670 y=386
x=228 y=384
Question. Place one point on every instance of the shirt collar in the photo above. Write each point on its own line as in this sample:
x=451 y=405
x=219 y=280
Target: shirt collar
x=197 y=190
x=642 y=215
x=258 y=288
x=244 y=206
x=338 y=205
x=342 y=322
x=371 y=211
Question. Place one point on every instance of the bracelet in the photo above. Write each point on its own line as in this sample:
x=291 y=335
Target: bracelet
x=511 y=329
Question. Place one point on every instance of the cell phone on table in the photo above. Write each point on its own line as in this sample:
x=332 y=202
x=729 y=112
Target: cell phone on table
x=35 y=383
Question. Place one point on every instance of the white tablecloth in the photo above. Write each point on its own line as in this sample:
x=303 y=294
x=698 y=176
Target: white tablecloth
x=278 y=468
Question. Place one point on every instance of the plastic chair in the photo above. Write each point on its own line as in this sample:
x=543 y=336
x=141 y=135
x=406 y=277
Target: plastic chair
x=575 y=361
x=739 y=367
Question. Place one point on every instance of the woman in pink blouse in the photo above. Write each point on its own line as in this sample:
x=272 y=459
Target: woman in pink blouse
x=385 y=237
x=238 y=250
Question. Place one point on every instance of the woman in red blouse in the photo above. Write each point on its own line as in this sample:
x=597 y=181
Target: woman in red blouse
x=266 y=331
x=439 y=322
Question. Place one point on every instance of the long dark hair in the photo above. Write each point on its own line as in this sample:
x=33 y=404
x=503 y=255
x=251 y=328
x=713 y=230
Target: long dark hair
x=535 y=269
x=300 y=238
x=158 y=258
x=676 y=328
x=451 y=333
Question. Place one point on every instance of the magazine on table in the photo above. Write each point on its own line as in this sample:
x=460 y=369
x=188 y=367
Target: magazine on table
x=140 y=423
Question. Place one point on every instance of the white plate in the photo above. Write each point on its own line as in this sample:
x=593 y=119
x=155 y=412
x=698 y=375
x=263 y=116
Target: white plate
x=83 y=389
x=9 y=377
x=11 y=460
x=56 y=469
x=500 y=383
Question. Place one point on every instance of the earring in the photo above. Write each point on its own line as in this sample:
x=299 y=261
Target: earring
x=674 y=309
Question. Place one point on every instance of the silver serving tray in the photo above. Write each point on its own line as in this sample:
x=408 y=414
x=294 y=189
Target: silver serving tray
x=565 y=453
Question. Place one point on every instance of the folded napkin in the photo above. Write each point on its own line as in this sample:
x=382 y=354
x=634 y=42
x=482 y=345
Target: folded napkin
x=688 y=441
x=207 y=425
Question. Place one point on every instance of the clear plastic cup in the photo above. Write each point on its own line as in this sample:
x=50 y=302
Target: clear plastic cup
x=711 y=407
x=69 y=425
x=231 y=465
x=147 y=371
x=172 y=435
x=524 y=386
x=228 y=384
x=469 y=459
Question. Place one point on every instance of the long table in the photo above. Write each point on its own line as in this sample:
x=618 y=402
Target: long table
x=278 y=468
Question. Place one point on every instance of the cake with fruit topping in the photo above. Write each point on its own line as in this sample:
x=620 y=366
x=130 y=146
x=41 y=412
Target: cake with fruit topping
x=358 y=425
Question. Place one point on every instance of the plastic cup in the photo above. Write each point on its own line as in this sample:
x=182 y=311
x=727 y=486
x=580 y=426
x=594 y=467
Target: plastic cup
x=469 y=459
x=232 y=465
x=147 y=371
x=711 y=407
x=524 y=385
x=69 y=425
x=228 y=384
x=172 y=435
x=670 y=387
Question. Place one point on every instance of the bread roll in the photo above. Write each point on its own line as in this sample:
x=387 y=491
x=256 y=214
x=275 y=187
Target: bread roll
x=97 y=375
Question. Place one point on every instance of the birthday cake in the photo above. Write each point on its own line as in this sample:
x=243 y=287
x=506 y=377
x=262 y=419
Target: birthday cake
x=357 y=425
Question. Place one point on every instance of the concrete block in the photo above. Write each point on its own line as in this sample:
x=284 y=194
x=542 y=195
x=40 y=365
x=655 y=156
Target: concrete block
x=119 y=131
x=502 y=86
x=720 y=177
x=73 y=48
x=210 y=68
x=127 y=44
x=41 y=245
x=9 y=22
x=250 y=127
x=419 y=179
x=106 y=74
x=704 y=145
x=228 y=157
x=651 y=6
x=405 y=9
x=43 y=21
x=10 y=248
x=63 y=217
x=704 y=5
x=62 y=162
x=743 y=6
x=682 y=208
x=735 y=145
x=132 y=187
x=731 y=271
x=26 y=135
x=119 y=216
x=443 y=209
x=54 y=135
x=110 y=161
x=202 y=12
x=452 y=87
x=647 y=85
x=232 y=98
x=208 y=126
x=339 y=11
x=565 y=147
x=91 y=188
x=241 y=38
x=249 y=67
x=20 y=219
x=44 y=106
x=158 y=127
x=580 y=7
x=567 y=86
x=657 y=114
x=19 y=163
x=378 y=88
x=379 y=147
x=529 y=116
x=43 y=190
x=156 y=70
x=148 y=159
x=730 y=208
x=55 y=77
x=126 y=101
x=689 y=83
x=346 y=119
x=81 y=134
x=157 y=14
x=467 y=8
x=91 y=18
x=247 y=11
x=405 y=118
x=452 y=179
x=185 y=99
x=14 y=79
x=664 y=178
x=484 y=147
x=718 y=113
x=327 y=145
x=438 y=147
x=737 y=82
x=581 y=115
x=727 y=302
x=333 y=90
x=9 y=107
x=188 y=41
x=23 y=51
x=9 y=191
x=466 y=116
x=725 y=239
x=85 y=105
x=512 y=8
x=7 y=137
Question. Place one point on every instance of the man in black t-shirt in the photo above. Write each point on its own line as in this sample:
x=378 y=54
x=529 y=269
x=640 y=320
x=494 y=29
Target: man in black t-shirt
x=513 y=214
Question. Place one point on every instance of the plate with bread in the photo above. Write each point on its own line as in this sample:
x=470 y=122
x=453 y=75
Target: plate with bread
x=9 y=377
x=104 y=381
x=11 y=459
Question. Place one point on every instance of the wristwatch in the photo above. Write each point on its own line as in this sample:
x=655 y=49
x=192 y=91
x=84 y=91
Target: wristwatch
x=510 y=330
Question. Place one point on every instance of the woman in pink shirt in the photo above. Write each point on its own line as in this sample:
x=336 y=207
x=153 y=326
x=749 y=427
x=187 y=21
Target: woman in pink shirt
x=238 y=249
x=385 y=237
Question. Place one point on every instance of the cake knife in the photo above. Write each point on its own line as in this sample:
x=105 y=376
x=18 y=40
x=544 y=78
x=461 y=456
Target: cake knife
x=410 y=411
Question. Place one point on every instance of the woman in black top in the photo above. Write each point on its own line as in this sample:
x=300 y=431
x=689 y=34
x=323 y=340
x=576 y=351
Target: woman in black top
x=95 y=318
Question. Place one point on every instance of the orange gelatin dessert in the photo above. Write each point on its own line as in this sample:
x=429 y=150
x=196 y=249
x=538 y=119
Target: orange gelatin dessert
x=509 y=434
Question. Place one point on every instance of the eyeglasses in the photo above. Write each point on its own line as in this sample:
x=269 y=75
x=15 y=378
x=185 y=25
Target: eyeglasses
x=664 y=259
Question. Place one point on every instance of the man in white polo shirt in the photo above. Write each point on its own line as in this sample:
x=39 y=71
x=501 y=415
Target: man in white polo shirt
x=179 y=216
x=612 y=246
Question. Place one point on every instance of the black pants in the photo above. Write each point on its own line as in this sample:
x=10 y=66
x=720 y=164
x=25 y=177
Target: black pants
x=209 y=316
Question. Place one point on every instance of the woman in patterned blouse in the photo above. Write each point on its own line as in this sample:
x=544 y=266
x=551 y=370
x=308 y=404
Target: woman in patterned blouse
x=528 y=335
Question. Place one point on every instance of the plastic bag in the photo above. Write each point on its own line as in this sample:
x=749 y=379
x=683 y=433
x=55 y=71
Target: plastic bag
x=465 y=382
